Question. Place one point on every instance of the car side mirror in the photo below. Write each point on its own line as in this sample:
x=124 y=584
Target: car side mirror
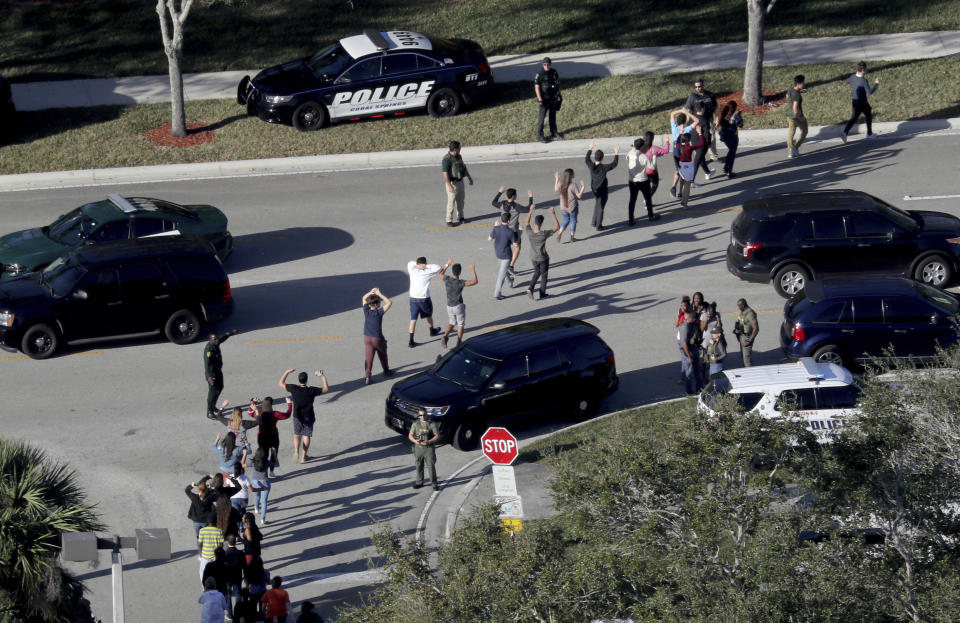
x=81 y=295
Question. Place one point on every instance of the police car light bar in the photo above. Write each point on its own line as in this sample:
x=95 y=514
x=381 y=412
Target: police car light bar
x=122 y=203
x=811 y=368
x=376 y=38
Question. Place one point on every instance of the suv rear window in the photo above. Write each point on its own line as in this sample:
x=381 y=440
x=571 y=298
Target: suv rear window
x=770 y=230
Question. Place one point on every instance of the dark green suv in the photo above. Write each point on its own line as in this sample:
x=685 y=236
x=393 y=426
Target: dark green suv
x=116 y=218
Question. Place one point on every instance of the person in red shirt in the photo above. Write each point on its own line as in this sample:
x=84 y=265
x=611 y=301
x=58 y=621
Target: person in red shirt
x=268 y=437
x=276 y=600
x=686 y=151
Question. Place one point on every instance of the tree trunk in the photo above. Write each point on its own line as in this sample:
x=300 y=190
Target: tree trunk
x=753 y=72
x=178 y=117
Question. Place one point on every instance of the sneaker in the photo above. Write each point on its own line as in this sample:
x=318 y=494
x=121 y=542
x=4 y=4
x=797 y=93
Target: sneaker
x=499 y=297
x=417 y=485
x=443 y=342
x=731 y=174
x=694 y=185
x=600 y=228
x=673 y=191
x=871 y=135
x=557 y=135
x=388 y=373
x=366 y=380
x=530 y=294
x=796 y=152
x=211 y=415
x=654 y=217
x=273 y=474
x=462 y=220
x=790 y=154
x=449 y=224
x=436 y=487
x=843 y=136
x=511 y=271
x=710 y=173
x=435 y=331
x=542 y=139
x=510 y=279
x=412 y=344
x=263 y=521
x=544 y=295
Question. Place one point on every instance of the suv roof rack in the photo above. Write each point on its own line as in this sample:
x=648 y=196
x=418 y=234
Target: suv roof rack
x=377 y=39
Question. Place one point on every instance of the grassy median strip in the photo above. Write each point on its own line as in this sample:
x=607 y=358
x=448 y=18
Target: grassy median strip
x=67 y=139
x=50 y=40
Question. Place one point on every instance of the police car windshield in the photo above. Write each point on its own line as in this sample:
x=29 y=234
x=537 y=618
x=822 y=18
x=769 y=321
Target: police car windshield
x=329 y=62
x=67 y=228
x=466 y=368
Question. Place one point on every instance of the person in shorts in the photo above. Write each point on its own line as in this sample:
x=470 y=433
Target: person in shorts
x=456 y=309
x=303 y=396
x=420 y=304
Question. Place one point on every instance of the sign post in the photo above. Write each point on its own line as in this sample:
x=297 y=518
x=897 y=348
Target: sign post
x=500 y=446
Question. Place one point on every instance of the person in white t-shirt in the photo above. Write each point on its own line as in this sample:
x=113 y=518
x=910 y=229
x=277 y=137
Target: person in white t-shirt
x=240 y=499
x=420 y=304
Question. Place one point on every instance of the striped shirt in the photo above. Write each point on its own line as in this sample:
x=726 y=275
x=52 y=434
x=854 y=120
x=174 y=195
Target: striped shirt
x=211 y=537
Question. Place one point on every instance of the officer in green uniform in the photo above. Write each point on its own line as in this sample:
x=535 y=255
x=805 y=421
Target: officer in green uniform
x=213 y=370
x=424 y=436
x=746 y=330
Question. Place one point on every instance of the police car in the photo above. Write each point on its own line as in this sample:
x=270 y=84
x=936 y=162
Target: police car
x=822 y=394
x=376 y=74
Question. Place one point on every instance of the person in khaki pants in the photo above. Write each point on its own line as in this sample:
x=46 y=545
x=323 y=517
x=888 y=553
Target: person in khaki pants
x=795 y=118
x=424 y=436
x=454 y=171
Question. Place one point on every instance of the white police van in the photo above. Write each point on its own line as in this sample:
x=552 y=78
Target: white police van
x=823 y=394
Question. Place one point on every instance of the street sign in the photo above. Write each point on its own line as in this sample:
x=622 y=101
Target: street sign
x=499 y=445
x=512 y=525
x=510 y=506
x=504 y=480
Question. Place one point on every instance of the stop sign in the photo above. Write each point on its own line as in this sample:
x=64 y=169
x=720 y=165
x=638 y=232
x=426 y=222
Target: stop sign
x=499 y=445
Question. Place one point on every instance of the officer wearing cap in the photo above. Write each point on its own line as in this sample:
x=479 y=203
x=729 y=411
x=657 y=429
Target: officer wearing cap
x=213 y=370
x=546 y=85
x=424 y=436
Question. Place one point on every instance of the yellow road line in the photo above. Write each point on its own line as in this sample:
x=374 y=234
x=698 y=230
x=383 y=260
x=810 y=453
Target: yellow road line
x=11 y=358
x=295 y=339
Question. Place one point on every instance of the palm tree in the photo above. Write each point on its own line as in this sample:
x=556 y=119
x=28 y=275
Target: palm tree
x=39 y=500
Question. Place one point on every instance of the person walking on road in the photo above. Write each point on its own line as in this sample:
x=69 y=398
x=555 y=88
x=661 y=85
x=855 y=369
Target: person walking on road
x=209 y=539
x=268 y=437
x=538 y=250
x=212 y=603
x=511 y=208
x=570 y=194
x=707 y=101
x=303 y=396
x=375 y=304
x=680 y=124
x=861 y=88
x=454 y=171
x=259 y=476
x=546 y=86
x=420 y=304
x=201 y=505
x=424 y=436
x=746 y=329
x=598 y=181
x=229 y=452
x=687 y=167
x=730 y=121
x=638 y=181
x=795 y=117
x=653 y=152
x=213 y=370
x=691 y=338
x=505 y=248
x=456 y=309
x=276 y=600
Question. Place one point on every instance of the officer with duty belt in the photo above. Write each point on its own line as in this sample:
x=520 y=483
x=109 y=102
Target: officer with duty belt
x=546 y=86
x=213 y=370
x=424 y=436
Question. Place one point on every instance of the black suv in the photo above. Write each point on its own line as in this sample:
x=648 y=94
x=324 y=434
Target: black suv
x=514 y=374
x=846 y=321
x=792 y=238
x=128 y=288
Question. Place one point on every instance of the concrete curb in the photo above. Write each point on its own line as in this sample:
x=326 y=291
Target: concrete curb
x=415 y=158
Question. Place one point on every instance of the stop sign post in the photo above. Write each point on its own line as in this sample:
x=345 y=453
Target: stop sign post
x=499 y=445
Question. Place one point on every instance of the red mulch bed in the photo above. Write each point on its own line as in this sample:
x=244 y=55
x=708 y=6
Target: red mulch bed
x=197 y=134
x=771 y=101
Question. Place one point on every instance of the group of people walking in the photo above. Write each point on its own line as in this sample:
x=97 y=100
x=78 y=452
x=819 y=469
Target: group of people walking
x=702 y=341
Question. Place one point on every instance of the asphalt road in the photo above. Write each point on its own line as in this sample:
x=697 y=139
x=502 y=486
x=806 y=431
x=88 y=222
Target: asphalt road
x=129 y=416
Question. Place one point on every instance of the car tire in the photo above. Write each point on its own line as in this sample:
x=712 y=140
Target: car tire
x=39 y=341
x=182 y=327
x=444 y=102
x=242 y=90
x=586 y=406
x=467 y=435
x=829 y=354
x=791 y=280
x=309 y=116
x=935 y=270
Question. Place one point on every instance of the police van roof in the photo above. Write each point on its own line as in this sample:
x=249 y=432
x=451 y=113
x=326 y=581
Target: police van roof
x=372 y=41
x=803 y=373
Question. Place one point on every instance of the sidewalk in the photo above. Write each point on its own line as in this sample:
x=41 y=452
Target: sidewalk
x=522 y=67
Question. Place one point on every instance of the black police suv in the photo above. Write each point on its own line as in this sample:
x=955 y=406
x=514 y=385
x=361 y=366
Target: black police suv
x=512 y=375
x=846 y=321
x=794 y=237
x=114 y=290
x=376 y=74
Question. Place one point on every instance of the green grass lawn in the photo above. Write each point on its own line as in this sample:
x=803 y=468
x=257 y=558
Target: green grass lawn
x=97 y=38
x=615 y=106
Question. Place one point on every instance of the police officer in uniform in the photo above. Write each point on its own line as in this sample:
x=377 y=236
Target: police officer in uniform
x=746 y=329
x=424 y=436
x=546 y=85
x=213 y=370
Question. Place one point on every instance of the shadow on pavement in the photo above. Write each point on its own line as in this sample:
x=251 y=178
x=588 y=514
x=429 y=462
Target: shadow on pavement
x=285 y=245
